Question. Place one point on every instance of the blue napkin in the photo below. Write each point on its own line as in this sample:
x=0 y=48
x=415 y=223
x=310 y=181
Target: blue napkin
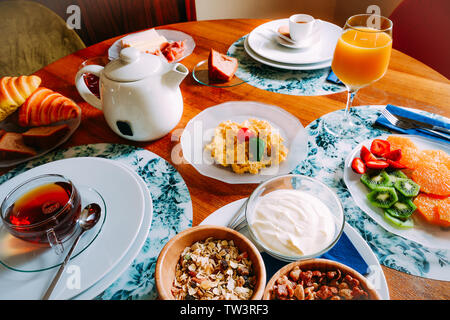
x=412 y=115
x=343 y=252
x=332 y=78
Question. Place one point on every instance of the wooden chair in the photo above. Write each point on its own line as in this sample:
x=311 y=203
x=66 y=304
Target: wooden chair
x=32 y=36
x=421 y=30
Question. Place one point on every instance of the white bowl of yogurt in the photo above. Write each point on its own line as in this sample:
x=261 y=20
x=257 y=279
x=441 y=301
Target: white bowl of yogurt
x=294 y=217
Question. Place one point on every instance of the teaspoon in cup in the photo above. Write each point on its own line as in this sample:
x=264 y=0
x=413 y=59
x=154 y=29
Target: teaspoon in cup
x=87 y=220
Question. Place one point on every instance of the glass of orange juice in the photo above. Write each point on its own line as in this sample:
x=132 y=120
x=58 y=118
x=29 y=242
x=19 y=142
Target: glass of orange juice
x=361 y=57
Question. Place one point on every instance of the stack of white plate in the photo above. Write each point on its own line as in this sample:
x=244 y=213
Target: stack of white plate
x=264 y=45
x=102 y=254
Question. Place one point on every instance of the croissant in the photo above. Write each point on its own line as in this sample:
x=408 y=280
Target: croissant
x=14 y=91
x=46 y=106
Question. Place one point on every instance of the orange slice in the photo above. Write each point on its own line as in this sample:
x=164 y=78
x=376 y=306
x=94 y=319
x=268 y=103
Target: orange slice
x=442 y=210
x=432 y=178
x=426 y=204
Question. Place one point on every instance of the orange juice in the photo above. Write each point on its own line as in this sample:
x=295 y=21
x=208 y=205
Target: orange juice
x=361 y=56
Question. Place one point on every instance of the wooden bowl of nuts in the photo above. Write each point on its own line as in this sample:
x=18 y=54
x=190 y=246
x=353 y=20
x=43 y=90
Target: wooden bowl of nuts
x=319 y=279
x=210 y=263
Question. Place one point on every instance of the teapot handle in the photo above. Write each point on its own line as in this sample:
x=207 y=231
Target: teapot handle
x=82 y=88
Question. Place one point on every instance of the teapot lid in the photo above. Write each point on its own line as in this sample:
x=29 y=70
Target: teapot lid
x=132 y=66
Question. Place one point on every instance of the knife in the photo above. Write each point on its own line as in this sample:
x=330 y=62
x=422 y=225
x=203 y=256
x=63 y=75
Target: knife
x=425 y=125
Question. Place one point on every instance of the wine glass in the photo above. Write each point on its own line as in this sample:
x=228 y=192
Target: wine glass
x=361 y=57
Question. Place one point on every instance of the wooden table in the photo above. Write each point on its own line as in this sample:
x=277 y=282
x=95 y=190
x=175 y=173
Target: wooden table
x=408 y=82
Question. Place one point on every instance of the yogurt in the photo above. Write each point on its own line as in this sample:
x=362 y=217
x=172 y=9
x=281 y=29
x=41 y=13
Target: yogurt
x=293 y=222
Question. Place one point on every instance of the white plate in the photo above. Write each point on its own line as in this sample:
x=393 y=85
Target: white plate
x=170 y=35
x=131 y=254
x=422 y=232
x=286 y=66
x=125 y=208
x=11 y=125
x=262 y=42
x=224 y=215
x=200 y=130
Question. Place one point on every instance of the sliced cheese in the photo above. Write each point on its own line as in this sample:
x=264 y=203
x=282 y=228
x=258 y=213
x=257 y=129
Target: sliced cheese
x=146 y=41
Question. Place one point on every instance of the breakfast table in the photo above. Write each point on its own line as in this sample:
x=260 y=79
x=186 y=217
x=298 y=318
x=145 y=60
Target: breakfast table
x=407 y=82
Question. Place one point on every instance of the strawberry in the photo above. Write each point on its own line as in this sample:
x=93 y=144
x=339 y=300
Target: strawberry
x=244 y=134
x=377 y=164
x=395 y=164
x=366 y=155
x=358 y=166
x=393 y=155
x=380 y=147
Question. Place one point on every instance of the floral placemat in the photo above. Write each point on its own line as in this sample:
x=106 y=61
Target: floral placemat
x=325 y=161
x=291 y=82
x=172 y=210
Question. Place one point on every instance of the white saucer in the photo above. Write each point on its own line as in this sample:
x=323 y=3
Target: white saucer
x=262 y=43
x=170 y=35
x=312 y=40
x=125 y=215
x=224 y=215
x=284 y=66
x=131 y=254
x=200 y=130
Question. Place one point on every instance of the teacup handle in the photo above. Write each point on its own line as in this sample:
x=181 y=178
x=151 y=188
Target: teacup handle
x=82 y=88
x=54 y=242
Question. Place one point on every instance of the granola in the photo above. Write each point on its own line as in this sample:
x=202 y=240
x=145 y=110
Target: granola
x=213 y=270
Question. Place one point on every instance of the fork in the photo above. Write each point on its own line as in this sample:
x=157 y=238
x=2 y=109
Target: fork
x=407 y=125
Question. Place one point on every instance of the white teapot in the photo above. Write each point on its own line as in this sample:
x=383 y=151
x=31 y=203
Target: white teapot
x=139 y=94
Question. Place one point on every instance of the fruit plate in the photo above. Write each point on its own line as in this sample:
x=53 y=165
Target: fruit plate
x=10 y=125
x=422 y=232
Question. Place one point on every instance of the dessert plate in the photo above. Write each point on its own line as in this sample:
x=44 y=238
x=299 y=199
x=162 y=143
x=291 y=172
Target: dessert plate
x=223 y=216
x=170 y=35
x=422 y=232
x=124 y=219
x=11 y=125
x=312 y=40
x=261 y=41
x=200 y=130
x=286 y=66
x=200 y=74
x=131 y=254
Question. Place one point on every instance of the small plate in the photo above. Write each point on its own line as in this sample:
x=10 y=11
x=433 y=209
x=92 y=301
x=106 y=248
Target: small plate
x=308 y=43
x=285 y=66
x=262 y=43
x=10 y=125
x=121 y=227
x=200 y=130
x=170 y=35
x=200 y=74
x=422 y=232
x=223 y=216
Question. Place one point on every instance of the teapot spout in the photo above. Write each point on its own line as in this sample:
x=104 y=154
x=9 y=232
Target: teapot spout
x=176 y=75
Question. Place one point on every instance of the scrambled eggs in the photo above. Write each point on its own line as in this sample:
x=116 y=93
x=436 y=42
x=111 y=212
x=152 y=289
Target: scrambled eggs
x=247 y=147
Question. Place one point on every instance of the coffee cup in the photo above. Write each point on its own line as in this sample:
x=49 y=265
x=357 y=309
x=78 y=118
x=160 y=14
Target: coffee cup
x=301 y=26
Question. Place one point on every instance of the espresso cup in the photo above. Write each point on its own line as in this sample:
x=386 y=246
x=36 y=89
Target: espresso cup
x=301 y=26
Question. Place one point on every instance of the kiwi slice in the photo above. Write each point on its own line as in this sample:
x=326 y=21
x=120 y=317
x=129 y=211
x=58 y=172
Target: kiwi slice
x=402 y=209
x=397 y=174
x=383 y=197
x=399 y=223
x=407 y=187
x=376 y=179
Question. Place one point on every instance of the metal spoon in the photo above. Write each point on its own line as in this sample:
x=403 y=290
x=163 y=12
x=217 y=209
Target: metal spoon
x=87 y=220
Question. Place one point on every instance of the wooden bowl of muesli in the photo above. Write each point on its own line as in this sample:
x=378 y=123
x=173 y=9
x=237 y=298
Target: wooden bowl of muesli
x=210 y=263
x=319 y=279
